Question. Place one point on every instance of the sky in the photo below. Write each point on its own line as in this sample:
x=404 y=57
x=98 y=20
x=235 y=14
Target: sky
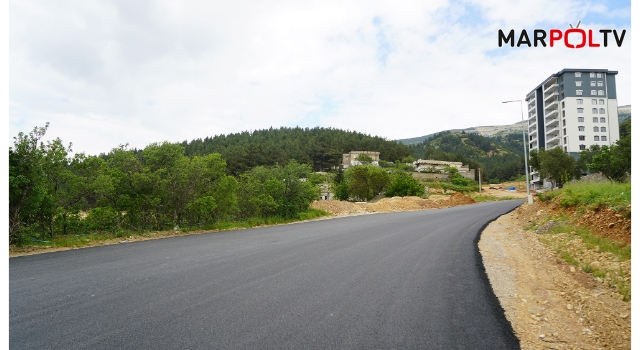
x=106 y=73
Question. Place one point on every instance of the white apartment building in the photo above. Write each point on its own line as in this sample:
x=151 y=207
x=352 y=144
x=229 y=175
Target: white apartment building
x=573 y=109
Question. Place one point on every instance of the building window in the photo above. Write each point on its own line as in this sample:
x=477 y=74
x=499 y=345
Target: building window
x=564 y=122
x=593 y=83
x=599 y=75
x=579 y=101
x=600 y=92
x=581 y=128
x=603 y=129
x=594 y=101
x=579 y=92
x=580 y=110
x=594 y=92
x=596 y=129
x=594 y=111
x=578 y=74
x=602 y=111
x=578 y=83
x=583 y=147
x=580 y=119
x=601 y=101
x=592 y=75
x=603 y=120
x=581 y=137
x=596 y=138
x=600 y=83
x=603 y=138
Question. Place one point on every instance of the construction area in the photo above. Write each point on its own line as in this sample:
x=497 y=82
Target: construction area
x=393 y=204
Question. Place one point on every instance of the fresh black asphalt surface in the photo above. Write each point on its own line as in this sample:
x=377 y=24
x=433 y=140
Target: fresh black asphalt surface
x=410 y=280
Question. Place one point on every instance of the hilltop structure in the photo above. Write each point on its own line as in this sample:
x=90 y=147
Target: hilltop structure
x=572 y=109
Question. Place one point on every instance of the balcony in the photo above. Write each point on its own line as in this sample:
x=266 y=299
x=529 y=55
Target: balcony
x=552 y=123
x=551 y=98
x=553 y=141
x=553 y=130
x=550 y=83
x=554 y=85
x=551 y=113
x=532 y=106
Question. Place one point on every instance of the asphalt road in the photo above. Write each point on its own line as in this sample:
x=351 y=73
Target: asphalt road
x=411 y=280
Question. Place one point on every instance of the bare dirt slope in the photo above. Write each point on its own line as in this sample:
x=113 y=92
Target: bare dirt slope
x=550 y=304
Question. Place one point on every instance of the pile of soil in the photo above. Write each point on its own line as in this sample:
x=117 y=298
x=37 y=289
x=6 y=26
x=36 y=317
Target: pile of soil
x=337 y=207
x=392 y=204
x=458 y=199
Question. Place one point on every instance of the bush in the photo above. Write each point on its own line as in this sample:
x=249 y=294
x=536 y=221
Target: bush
x=102 y=219
x=403 y=184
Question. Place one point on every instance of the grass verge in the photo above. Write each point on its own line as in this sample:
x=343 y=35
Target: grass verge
x=102 y=238
x=592 y=195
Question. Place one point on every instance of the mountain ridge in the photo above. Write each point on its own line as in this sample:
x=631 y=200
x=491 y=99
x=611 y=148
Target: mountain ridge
x=624 y=114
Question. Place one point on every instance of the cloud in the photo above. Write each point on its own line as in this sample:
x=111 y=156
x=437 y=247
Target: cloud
x=109 y=73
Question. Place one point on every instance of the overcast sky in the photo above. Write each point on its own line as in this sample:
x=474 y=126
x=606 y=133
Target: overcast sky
x=105 y=73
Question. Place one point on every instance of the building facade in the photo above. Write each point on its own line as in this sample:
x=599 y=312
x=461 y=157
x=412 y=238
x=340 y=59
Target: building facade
x=434 y=169
x=351 y=158
x=572 y=109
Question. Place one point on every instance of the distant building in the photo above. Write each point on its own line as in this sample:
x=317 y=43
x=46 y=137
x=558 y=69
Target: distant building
x=351 y=158
x=438 y=166
x=572 y=109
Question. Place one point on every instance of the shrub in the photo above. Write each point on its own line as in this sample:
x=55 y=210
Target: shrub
x=403 y=184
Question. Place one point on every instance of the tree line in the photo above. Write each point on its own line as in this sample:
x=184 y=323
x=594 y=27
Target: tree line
x=322 y=148
x=156 y=188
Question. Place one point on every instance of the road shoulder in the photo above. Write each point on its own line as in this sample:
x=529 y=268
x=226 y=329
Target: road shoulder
x=549 y=303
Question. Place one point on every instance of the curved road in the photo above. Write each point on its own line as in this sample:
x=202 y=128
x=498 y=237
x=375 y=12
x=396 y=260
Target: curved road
x=410 y=280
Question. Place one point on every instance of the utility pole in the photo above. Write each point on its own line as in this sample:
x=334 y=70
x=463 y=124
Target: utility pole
x=480 y=179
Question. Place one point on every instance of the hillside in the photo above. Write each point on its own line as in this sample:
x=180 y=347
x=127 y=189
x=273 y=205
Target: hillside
x=322 y=148
x=624 y=113
x=493 y=130
x=499 y=157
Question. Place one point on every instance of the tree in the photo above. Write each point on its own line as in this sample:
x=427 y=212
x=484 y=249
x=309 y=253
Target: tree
x=613 y=161
x=403 y=184
x=554 y=164
x=365 y=159
x=27 y=181
x=366 y=181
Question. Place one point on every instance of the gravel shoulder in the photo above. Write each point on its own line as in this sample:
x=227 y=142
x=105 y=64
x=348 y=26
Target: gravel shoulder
x=549 y=303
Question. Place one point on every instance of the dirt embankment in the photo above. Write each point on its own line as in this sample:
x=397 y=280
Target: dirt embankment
x=393 y=204
x=550 y=303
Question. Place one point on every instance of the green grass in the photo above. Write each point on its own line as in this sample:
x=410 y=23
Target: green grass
x=592 y=195
x=593 y=241
x=95 y=238
x=485 y=198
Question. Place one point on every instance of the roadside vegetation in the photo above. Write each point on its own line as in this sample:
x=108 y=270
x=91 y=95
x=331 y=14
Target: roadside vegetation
x=59 y=199
x=591 y=196
x=590 y=229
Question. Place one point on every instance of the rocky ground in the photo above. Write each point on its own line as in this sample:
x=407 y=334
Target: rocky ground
x=550 y=303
